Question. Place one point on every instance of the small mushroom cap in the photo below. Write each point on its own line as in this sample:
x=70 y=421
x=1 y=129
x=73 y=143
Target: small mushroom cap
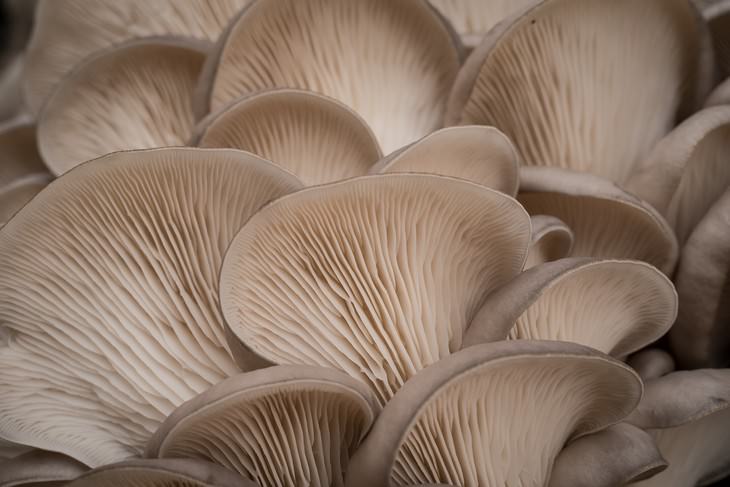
x=108 y=288
x=651 y=363
x=568 y=105
x=67 y=32
x=618 y=455
x=317 y=138
x=162 y=473
x=551 y=240
x=494 y=414
x=701 y=338
x=347 y=275
x=616 y=307
x=285 y=425
x=483 y=155
x=134 y=96
x=39 y=467
x=607 y=222
x=392 y=61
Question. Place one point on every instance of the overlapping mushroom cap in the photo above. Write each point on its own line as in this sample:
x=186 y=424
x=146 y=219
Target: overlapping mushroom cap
x=108 y=288
x=39 y=468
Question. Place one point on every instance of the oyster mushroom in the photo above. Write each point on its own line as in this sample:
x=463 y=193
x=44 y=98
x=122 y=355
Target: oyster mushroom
x=651 y=363
x=700 y=336
x=67 y=32
x=494 y=414
x=607 y=222
x=161 y=473
x=108 y=289
x=616 y=307
x=688 y=413
x=377 y=276
x=39 y=468
x=482 y=155
x=286 y=425
x=134 y=96
x=551 y=240
x=561 y=81
x=313 y=136
x=392 y=61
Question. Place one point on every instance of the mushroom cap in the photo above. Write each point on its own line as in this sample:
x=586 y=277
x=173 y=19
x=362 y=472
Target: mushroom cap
x=18 y=154
x=108 y=288
x=134 y=96
x=700 y=336
x=494 y=414
x=39 y=467
x=651 y=363
x=565 y=81
x=483 y=155
x=377 y=276
x=313 y=136
x=15 y=195
x=551 y=240
x=720 y=95
x=616 y=307
x=285 y=425
x=66 y=32
x=161 y=473
x=606 y=221
x=392 y=61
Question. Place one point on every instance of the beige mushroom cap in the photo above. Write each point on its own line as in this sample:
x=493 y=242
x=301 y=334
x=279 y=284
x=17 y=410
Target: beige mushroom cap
x=377 y=276
x=551 y=240
x=285 y=425
x=41 y=468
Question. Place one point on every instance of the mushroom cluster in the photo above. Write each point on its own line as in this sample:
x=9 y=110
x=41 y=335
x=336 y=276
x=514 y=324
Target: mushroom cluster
x=288 y=243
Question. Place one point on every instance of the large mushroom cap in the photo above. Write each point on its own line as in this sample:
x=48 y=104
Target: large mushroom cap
x=287 y=425
x=134 y=96
x=616 y=307
x=495 y=414
x=606 y=221
x=483 y=155
x=392 y=61
x=313 y=136
x=377 y=276
x=39 y=468
x=108 y=288
x=586 y=85
x=68 y=31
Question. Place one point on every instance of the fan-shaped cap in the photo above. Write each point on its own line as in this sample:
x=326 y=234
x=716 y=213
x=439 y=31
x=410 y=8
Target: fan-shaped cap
x=134 y=96
x=651 y=363
x=688 y=170
x=551 y=240
x=617 y=307
x=495 y=414
x=480 y=154
x=688 y=413
x=108 y=283
x=162 y=473
x=607 y=222
x=392 y=61
x=39 y=468
x=562 y=81
x=18 y=154
x=720 y=95
x=377 y=276
x=700 y=337
x=317 y=138
x=66 y=32
x=286 y=425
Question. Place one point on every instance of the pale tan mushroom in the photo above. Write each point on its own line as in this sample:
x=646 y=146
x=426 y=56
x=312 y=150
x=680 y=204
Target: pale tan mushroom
x=551 y=240
x=39 y=468
x=495 y=414
x=392 y=61
x=134 y=96
x=108 y=288
x=377 y=276
x=315 y=137
x=291 y=426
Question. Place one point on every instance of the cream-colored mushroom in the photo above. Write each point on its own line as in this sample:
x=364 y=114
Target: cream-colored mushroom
x=315 y=137
x=66 y=32
x=587 y=85
x=108 y=288
x=607 y=222
x=290 y=426
x=134 y=96
x=392 y=61
x=40 y=469
x=377 y=276
x=551 y=240
x=495 y=414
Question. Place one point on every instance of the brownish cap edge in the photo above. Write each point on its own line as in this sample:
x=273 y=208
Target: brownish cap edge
x=548 y=229
x=39 y=466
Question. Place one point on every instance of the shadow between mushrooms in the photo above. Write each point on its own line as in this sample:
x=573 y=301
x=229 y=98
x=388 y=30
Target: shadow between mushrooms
x=377 y=276
x=551 y=240
x=108 y=289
